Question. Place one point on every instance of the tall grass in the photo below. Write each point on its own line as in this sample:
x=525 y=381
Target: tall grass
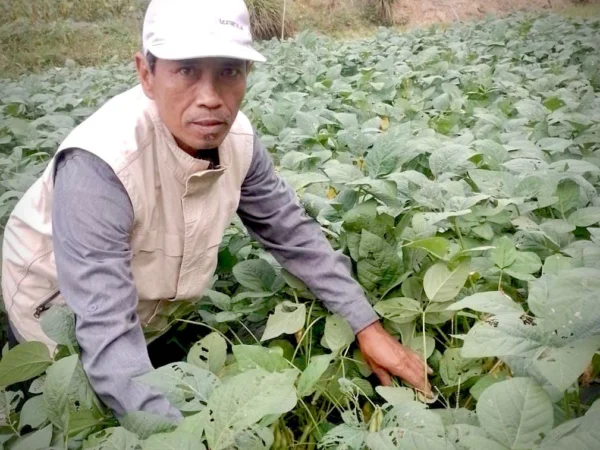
x=268 y=20
x=382 y=11
x=78 y=10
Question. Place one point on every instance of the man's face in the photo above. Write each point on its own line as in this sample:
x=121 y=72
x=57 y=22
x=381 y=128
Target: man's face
x=198 y=100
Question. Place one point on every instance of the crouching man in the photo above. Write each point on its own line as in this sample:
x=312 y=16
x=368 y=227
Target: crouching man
x=125 y=223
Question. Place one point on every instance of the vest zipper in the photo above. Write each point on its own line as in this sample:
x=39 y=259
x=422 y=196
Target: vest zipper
x=44 y=305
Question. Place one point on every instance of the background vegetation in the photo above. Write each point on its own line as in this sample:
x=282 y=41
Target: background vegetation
x=36 y=34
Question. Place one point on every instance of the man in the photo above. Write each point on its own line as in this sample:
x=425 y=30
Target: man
x=125 y=224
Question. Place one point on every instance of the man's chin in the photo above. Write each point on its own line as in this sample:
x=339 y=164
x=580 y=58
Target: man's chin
x=205 y=142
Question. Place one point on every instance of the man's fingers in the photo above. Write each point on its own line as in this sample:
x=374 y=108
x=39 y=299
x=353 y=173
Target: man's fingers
x=414 y=371
x=384 y=377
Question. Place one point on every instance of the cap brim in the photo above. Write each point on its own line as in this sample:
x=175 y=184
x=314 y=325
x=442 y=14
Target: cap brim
x=230 y=50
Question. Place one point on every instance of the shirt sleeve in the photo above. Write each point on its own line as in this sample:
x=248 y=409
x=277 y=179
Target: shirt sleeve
x=92 y=217
x=270 y=209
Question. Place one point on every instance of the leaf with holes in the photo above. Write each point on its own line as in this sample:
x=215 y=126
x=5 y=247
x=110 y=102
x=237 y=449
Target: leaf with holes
x=209 y=353
x=185 y=385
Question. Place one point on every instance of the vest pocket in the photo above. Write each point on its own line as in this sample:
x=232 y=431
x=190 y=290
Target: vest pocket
x=43 y=304
x=156 y=264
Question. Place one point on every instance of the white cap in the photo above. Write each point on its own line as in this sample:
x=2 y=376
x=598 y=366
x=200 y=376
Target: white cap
x=189 y=29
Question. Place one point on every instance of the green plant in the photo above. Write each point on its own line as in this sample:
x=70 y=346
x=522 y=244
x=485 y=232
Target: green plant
x=457 y=168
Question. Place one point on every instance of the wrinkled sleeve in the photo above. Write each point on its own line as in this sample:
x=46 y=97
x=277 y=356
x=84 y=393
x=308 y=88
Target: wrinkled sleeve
x=270 y=209
x=92 y=217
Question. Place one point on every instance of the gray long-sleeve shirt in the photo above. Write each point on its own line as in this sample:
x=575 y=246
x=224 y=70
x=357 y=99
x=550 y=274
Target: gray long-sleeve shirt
x=92 y=220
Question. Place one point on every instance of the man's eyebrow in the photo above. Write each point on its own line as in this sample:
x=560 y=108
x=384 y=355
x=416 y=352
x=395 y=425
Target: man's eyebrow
x=188 y=62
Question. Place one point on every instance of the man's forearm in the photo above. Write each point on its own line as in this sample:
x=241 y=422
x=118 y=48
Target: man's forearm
x=273 y=215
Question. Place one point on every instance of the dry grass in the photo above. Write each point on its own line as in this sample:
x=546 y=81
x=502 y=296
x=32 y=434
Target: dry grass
x=78 y=11
x=343 y=17
x=35 y=34
x=427 y=12
x=267 y=19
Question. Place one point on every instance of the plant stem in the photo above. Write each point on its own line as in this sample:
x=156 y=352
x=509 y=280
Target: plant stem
x=283 y=19
x=310 y=415
x=458 y=233
x=425 y=380
x=303 y=336
x=207 y=326
x=566 y=405
x=248 y=330
x=446 y=338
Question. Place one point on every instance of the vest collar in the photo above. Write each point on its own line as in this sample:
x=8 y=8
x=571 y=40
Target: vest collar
x=178 y=161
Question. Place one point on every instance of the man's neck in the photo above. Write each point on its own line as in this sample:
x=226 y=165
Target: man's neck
x=210 y=155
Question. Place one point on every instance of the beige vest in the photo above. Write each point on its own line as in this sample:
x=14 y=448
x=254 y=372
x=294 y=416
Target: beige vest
x=181 y=211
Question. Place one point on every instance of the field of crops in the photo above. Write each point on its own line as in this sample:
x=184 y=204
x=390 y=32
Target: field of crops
x=458 y=168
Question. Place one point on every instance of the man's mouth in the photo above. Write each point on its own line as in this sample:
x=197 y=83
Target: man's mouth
x=208 y=126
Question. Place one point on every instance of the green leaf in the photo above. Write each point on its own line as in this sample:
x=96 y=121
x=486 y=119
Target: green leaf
x=585 y=217
x=342 y=173
x=505 y=252
x=581 y=433
x=455 y=370
x=186 y=386
x=516 y=412
x=442 y=284
x=69 y=400
x=301 y=180
x=568 y=302
x=410 y=426
x=244 y=400
x=23 y=362
x=383 y=157
x=255 y=274
x=562 y=366
x=338 y=333
x=344 y=437
x=399 y=310
x=176 y=440
x=378 y=265
x=493 y=302
x=485 y=382
x=525 y=262
x=555 y=264
x=58 y=324
x=255 y=357
x=113 y=439
x=38 y=440
x=396 y=395
x=312 y=374
x=507 y=334
x=293 y=160
x=347 y=120
x=554 y=145
x=568 y=196
x=453 y=158
x=288 y=318
x=8 y=404
x=145 y=424
x=437 y=246
x=209 y=353
x=33 y=413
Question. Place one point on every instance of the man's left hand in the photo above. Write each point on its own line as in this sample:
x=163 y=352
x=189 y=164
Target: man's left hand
x=387 y=358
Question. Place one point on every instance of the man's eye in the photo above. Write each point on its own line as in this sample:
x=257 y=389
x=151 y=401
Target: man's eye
x=231 y=72
x=186 y=71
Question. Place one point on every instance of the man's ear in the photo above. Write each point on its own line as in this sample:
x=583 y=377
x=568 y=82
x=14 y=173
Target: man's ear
x=145 y=75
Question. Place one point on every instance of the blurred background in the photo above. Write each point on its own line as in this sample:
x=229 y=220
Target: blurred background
x=36 y=34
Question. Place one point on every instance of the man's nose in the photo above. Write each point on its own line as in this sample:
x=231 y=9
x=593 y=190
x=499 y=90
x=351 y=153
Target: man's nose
x=207 y=94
